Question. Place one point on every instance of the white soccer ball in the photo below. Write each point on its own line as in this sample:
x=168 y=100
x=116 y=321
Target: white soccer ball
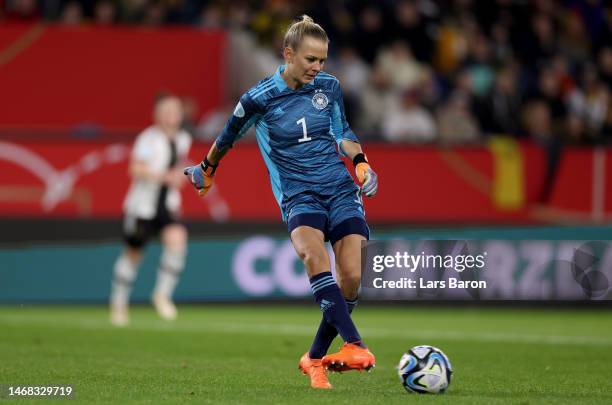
x=425 y=370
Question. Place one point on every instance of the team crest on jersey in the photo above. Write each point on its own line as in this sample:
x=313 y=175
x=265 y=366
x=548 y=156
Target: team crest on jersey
x=319 y=101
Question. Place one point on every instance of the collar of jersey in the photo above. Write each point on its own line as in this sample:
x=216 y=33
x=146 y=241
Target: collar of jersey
x=280 y=82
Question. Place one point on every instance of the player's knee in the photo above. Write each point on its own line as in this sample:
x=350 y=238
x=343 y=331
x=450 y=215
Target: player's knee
x=175 y=237
x=349 y=283
x=313 y=259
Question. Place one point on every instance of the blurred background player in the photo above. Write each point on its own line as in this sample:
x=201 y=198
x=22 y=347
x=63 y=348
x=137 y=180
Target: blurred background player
x=299 y=118
x=152 y=208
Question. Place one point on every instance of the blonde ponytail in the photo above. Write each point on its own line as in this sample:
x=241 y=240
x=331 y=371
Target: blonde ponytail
x=306 y=27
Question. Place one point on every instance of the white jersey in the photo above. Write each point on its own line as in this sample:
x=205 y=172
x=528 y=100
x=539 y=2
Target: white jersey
x=153 y=148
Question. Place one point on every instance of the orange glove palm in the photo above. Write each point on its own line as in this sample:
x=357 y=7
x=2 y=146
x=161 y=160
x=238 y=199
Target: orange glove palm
x=367 y=178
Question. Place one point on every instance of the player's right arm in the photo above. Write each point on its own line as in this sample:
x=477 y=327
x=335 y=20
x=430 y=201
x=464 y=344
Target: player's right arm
x=246 y=113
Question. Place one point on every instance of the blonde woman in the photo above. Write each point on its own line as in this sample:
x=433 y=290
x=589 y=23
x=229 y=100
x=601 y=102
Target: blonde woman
x=302 y=131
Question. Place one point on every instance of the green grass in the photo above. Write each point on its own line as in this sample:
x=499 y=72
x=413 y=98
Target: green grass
x=249 y=354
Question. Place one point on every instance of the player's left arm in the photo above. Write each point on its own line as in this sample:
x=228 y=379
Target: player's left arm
x=349 y=146
x=366 y=176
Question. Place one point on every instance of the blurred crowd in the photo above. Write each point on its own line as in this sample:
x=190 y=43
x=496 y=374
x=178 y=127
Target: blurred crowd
x=445 y=71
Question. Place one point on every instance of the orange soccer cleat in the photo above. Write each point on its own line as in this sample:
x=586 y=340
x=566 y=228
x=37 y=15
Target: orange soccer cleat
x=350 y=357
x=316 y=371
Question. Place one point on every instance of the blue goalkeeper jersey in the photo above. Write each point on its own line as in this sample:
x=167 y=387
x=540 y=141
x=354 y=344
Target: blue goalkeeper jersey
x=297 y=132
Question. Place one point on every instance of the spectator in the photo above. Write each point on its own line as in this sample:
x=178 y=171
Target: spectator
x=593 y=14
x=501 y=48
x=549 y=91
x=574 y=41
x=561 y=68
x=537 y=120
x=72 y=13
x=105 y=13
x=451 y=46
x=408 y=121
x=539 y=44
x=575 y=130
x=590 y=101
x=376 y=99
x=478 y=65
x=352 y=72
x=456 y=124
x=410 y=26
x=370 y=32
x=502 y=107
x=397 y=63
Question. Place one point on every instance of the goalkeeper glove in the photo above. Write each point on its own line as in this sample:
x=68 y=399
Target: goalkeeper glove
x=201 y=176
x=365 y=175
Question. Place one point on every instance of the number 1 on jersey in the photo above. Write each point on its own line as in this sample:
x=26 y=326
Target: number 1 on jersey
x=305 y=138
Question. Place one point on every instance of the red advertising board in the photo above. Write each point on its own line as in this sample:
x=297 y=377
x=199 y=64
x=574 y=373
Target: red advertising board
x=417 y=185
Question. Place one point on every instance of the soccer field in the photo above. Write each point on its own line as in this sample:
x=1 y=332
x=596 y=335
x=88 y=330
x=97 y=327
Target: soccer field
x=249 y=354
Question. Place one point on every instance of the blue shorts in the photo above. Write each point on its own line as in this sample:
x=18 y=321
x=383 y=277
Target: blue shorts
x=336 y=215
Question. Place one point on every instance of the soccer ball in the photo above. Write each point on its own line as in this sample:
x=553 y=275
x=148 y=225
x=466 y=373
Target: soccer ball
x=425 y=370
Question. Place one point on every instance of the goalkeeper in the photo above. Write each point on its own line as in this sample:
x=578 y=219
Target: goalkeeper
x=301 y=130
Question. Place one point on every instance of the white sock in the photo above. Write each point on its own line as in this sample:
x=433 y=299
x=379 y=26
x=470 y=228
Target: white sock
x=124 y=274
x=170 y=267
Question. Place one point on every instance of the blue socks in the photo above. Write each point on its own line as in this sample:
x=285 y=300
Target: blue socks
x=336 y=315
x=326 y=335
